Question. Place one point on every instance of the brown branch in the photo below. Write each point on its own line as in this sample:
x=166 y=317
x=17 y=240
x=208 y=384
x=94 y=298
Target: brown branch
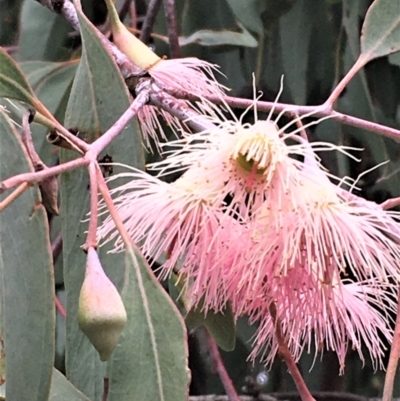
x=345 y=81
x=106 y=386
x=287 y=356
x=56 y=247
x=220 y=368
x=319 y=111
x=48 y=187
x=141 y=99
x=36 y=177
x=60 y=307
x=393 y=359
x=152 y=11
x=179 y=109
x=172 y=28
x=290 y=396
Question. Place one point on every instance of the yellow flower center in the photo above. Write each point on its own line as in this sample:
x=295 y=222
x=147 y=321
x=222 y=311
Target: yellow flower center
x=257 y=147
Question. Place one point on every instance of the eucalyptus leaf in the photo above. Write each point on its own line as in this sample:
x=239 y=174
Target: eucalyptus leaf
x=394 y=59
x=26 y=280
x=249 y=13
x=295 y=31
x=62 y=390
x=42 y=35
x=207 y=14
x=13 y=84
x=221 y=325
x=150 y=361
x=217 y=38
x=98 y=98
x=380 y=33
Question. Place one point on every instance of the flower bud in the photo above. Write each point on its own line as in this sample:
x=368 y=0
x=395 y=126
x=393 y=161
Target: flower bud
x=129 y=44
x=101 y=312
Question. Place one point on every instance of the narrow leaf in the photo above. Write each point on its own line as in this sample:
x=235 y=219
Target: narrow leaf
x=206 y=37
x=13 y=84
x=150 y=361
x=380 y=33
x=98 y=97
x=26 y=281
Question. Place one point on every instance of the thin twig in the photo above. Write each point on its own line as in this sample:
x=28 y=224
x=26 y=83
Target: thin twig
x=49 y=187
x=133 y=15
x=286 y=355
x=319 y=111
x=220 y=368
x=152 y=11
x=393 y=360
x=290 y=396
x=179 y=109
x=26 y=137
x=106 y=386
x=92 y=151
x=345 y=81
x=91 y=240
x=14 y=195
x=60 y=307
x=56 y=247
x=141 y=99
x=390 y=203
x=35 y=177
x=172 y=28
x=103 y=189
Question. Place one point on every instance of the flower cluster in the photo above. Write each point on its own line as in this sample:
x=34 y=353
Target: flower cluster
x=255 y=220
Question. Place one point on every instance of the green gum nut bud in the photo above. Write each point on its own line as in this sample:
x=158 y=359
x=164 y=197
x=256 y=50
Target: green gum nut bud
x=101 y=312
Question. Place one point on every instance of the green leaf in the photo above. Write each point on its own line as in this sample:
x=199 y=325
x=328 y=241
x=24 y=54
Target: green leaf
x=221 y=325
x=249 y=13
x=63 y=390
x=295 y=31
x=98 y=98
x=209 y=14
x=26 y=279
x=205 y=37
x=394 y=59
x=150 y=361
x=42 y=35
x=13 y=84
x=380 y=33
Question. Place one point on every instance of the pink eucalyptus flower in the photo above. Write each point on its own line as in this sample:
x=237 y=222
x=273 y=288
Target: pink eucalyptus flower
x=284 y=237
x=180 y=222
x=314 y=316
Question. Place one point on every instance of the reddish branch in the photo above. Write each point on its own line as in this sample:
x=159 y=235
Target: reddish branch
x=220 y=368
